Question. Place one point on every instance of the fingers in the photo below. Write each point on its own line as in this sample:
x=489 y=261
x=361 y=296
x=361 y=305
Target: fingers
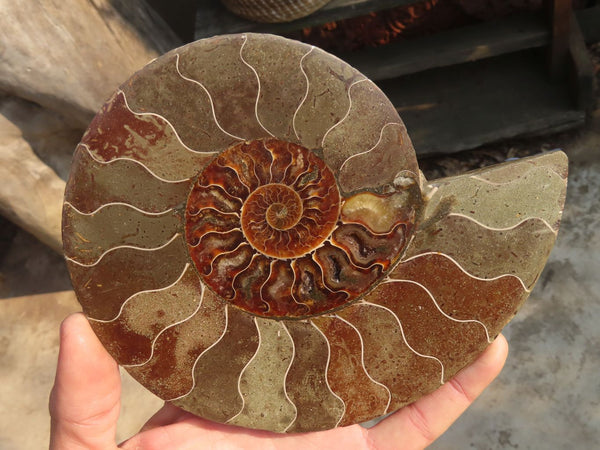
x=420 y=423
x=189 y=431
x=85 y=399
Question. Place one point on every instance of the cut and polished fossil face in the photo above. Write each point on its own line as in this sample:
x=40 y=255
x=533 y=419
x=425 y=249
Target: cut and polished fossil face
x=264 y=228
x=248 y=232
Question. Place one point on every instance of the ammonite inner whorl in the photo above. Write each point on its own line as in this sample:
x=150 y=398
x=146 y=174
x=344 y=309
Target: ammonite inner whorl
x=263 y=228
x=247 y=230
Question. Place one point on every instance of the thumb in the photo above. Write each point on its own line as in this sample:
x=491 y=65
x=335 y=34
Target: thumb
x=85 y=399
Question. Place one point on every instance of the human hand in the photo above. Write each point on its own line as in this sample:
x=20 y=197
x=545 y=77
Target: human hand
x=85 y=402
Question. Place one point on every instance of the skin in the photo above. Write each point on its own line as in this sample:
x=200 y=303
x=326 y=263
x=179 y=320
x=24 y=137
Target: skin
x=85 y=403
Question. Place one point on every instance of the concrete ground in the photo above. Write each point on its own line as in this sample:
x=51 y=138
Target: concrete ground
x=548 y=395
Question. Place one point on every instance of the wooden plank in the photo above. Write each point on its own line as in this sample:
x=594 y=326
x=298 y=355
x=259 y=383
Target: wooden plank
x=559 y=15
x=589 y=21
x=582 y=71
x=461 y=107
x=456 y=46
x=213 y=18
x=69 y=56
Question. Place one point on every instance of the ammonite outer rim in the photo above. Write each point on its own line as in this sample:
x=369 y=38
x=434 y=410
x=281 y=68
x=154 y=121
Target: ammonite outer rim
x=125 y=209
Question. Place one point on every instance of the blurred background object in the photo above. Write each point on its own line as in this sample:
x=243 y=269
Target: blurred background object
x=462 y=73
x=273 y=11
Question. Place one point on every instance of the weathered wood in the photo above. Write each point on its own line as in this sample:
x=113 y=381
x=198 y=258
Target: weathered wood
x=460 y=107
x=559 y=13
x=69 y=55
x=457 y=46
x=582 y=71
x=32 y=193
x=589 y=21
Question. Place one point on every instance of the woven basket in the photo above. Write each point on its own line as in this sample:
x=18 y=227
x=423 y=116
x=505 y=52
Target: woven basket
x=273 y=11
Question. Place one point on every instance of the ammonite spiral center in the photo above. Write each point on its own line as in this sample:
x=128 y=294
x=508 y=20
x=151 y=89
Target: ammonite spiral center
x=272 y=217
x=255 y=221
x=278 y=215
x=275 y=205
x=286 y=210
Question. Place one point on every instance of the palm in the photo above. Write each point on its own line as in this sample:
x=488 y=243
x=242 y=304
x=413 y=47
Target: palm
x=85 y=400
x=172 y=427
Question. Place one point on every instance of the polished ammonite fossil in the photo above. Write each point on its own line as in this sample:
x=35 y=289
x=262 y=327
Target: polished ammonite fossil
x=250 y=236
